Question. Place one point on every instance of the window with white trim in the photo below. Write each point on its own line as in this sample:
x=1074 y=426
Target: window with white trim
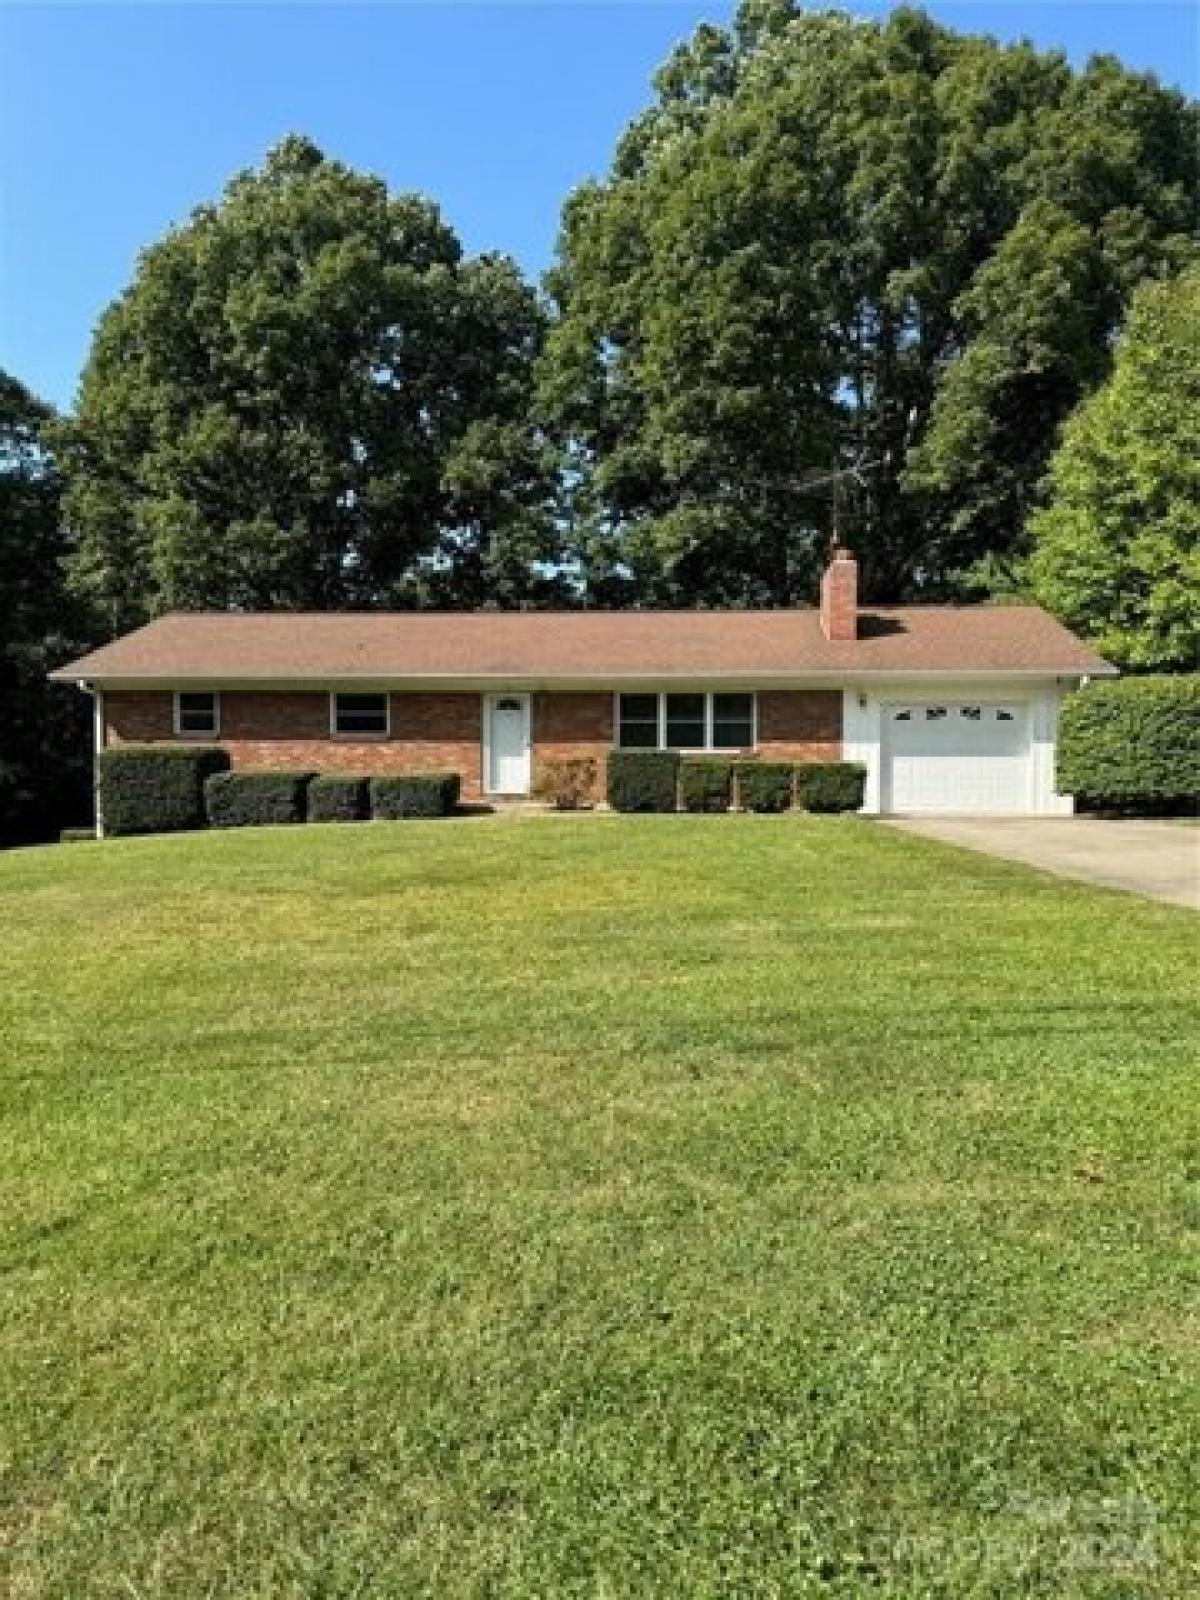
x=732 y=721
x=686 y=721
x=638 y=721
x=197 y=712
x=360 y=715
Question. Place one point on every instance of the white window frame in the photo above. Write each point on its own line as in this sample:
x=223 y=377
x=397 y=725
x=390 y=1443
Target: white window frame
x=708 y=748
x=355 y=734
x=196 y=733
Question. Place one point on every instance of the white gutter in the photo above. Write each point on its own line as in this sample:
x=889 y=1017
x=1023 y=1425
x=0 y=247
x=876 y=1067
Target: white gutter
x=843 y=677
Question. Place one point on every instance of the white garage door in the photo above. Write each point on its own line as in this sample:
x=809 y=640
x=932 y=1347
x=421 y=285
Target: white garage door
x=956 y=756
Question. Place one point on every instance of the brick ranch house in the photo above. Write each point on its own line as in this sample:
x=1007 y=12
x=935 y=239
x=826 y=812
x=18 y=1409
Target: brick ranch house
x=950 y=708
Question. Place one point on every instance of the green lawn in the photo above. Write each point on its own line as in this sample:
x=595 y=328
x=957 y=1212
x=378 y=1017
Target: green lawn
x=598 y=1207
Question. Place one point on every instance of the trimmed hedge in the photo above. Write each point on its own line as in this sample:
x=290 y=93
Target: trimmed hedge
x=416 y=794
x=155 y=788
x=566 y=782
x=830 y=785
x=706 y=785
x=643 y=780
x=765 y=785
x=1133 y=745
x=334 y=797
x=255 y=799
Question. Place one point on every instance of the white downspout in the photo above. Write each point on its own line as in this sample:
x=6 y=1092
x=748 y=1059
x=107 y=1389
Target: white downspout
x=99 y=741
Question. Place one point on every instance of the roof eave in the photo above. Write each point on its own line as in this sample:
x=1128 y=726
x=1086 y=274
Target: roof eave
x=524 y=679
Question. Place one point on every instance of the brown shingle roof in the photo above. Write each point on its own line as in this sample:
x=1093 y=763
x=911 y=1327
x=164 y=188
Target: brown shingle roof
x=591 y=645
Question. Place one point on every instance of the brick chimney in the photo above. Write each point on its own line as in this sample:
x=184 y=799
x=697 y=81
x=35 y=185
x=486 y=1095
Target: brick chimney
x=839 y=597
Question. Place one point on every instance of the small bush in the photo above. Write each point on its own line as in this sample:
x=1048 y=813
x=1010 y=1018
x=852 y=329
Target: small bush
x=334 y=797
x=568 y=782
x=706 y=785
x=830 y=785
x=155 y=788
x=76 y=835
x=765 y=785
x=255 y=799
x=643 y=780
x=1132 y=746
x=415 y=794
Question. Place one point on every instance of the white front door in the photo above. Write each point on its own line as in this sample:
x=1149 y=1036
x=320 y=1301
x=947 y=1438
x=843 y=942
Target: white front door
x=948 y=755
x=508 y=744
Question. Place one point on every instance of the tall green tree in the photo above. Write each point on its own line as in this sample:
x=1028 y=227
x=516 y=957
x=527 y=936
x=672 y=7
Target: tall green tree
x=1116 y=552
x=310 y=397
x=832 y=241
x=44 y=749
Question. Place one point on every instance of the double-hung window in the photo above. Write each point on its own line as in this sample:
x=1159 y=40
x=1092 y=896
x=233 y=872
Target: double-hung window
x=685 y=716
x=197 y=713
x=360 y=715
x=732 y=721
x=691 y=721
x=638 y=722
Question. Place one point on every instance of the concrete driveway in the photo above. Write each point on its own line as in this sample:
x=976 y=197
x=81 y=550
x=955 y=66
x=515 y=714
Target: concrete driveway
x=1157 y=859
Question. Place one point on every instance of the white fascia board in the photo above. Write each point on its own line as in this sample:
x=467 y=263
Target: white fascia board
x=899 y=683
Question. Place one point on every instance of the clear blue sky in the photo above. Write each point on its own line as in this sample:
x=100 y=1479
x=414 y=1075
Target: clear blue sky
x=116 y=119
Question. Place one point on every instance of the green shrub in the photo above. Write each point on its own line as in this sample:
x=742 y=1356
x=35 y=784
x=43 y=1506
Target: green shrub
x=765 y=785
x=414 y=794
x=568 y=782
x=76 y=835
x=643 y=780
x=155 y=788
x=830 y=785
x=335 y=797
x=706 y=785
x=1132 y=745
x=255 y=799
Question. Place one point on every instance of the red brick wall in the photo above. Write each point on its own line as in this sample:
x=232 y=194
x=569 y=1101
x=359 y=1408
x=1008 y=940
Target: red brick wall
x=567 y=725
x=793 y=725
x=276 y=728
x=134 y=717
x=432 y=730
x=800 y=724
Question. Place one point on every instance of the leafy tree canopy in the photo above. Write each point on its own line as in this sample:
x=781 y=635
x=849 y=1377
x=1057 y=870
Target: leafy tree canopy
x=43 y=750
x=310 y=397
x=832 y=240
x=1116 y=552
